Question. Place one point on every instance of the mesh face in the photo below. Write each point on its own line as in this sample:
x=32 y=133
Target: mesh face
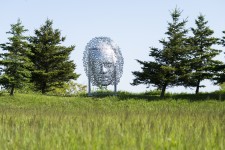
x=103 y=61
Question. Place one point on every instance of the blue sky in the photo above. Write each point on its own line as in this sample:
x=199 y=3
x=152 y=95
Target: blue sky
x=135 y=25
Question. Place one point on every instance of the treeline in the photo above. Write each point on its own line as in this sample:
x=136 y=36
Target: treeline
x=39 y=61
x=184 y=60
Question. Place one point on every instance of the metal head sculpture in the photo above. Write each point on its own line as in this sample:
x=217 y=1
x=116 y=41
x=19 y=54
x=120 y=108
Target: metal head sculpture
x=103 y=62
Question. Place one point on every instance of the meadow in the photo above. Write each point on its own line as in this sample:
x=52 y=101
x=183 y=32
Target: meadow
x=126 y=121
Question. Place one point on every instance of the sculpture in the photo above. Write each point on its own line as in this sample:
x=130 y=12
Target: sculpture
x=103 y=63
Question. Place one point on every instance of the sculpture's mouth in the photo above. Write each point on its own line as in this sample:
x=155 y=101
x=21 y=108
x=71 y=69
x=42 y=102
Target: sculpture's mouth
x=105 y=80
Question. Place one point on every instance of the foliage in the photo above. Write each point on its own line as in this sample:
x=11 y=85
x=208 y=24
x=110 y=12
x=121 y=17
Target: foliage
x=52 y=67
x=15 y=62
x=201 y=60
x=223 y=39
x=49 y=122
x=168 y=67
x=222 y=86
x=69 y=88
x=220 y=78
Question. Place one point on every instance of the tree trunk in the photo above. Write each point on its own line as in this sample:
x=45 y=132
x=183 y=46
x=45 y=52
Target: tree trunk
x=198 y=86
x=163 y=91
x=43 y=88
x=12 y=90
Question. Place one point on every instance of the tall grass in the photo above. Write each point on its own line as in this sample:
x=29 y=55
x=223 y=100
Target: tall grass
x=108 y=122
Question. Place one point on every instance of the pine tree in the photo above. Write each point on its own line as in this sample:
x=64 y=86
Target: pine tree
x=220 y=78
x=15 y=62
x=52 y=66
x=169 y=65
x=201 y=54
x=223 y=40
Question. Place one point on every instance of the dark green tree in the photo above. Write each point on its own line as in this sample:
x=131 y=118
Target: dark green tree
x=52 y=67
x=15 y=62
x=220 y=78
x=201 y=61
x=223 y=40
x=169 y=65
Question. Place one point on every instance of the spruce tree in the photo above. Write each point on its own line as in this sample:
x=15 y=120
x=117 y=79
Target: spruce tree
x=223 y=40
x=15 y=62
x=220 y=78
x=169 y=65
x=201 y=54
x=52 y=67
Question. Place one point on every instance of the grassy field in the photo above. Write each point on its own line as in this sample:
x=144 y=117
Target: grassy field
x=128 y=121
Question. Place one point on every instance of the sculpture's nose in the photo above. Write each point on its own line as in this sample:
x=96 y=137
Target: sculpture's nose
x=104 y=69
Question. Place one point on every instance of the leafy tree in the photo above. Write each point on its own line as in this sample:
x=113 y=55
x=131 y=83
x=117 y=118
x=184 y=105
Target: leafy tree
x=201 y=54
x=15 y=61
x=69 y=88
x=168 y=67
x=52 y=66
x=222 y=86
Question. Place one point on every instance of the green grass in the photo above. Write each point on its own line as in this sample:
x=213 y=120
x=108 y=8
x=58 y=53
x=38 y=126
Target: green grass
x=128 y=121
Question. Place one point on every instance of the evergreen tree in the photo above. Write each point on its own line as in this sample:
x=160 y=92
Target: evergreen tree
x=220 y=78
x=201 y=54
x=15 y=61
x=223 y=40
x=52 y=67
x=169 y=65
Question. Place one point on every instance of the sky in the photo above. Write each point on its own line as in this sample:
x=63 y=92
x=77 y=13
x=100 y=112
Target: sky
x=135 y=25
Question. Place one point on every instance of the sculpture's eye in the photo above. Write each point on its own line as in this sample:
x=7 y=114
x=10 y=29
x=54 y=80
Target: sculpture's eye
x=108 y=65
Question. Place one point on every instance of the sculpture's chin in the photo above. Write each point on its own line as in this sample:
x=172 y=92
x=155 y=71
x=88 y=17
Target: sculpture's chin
x=104 y=82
